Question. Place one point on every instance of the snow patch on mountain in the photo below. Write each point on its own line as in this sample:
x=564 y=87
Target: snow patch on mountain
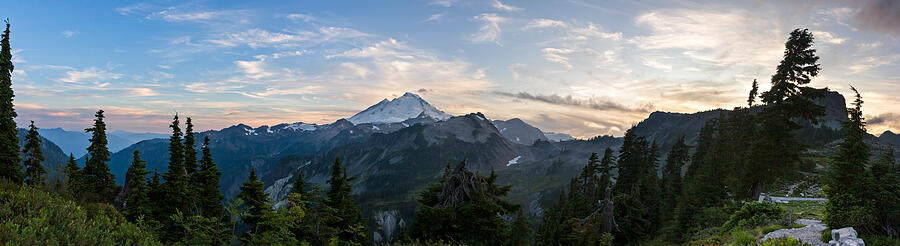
x=397 y=110
x=301 y=127
x=514 y=161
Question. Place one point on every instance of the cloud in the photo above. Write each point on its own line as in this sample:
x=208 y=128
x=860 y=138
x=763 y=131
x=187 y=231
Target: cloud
x=91 y=74
x=69 y=34
x=867 y=63
x=557 y=56
x=880 y=16
x=544 y=23
x=828 y=37
x=504 y=7
x=300 y=17
x=174 y=15
x=569 y=100
x=884 y=121
x=433 y=17
x=257 y=38
x=444 y=3
x=716 y=38
x=490 y=29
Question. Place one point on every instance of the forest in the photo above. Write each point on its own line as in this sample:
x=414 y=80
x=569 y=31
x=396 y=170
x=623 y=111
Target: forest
x=705 y=194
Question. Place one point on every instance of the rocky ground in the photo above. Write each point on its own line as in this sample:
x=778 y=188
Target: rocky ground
x=811 y=233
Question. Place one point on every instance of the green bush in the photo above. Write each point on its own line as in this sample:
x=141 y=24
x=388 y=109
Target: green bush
x=826 y=235
x=880 y=240
x=740 y=238
x=34 y=216
x=753 y=214
x=783 y=241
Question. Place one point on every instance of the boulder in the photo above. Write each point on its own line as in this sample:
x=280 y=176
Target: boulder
x=845 y=237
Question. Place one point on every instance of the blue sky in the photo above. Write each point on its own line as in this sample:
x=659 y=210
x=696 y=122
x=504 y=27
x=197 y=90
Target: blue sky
x=580 y=67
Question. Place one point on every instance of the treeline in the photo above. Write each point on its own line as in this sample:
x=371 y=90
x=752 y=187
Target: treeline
x=736 y=157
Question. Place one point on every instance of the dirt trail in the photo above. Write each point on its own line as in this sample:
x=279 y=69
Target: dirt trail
x=811 y=233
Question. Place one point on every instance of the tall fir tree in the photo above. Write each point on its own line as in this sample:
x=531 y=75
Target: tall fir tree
x=97 y=177
x=137 y=202
x=258 y=203
x=754 y=90
x=9 y=142
x=208 y=178
x=348 y=218
x=74 y=181
x=847 y=182
x=176 y=187
x=675 y=161
x=465 y=208
x=885 y=190
x=637 y=189
x=157 y=193
x=34 y=170
x=787 y=100
x=190 y=153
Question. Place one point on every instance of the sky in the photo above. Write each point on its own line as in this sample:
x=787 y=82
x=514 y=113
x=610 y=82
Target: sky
x=581 y=67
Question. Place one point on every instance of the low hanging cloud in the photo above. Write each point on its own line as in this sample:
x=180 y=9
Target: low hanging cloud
x=880 y=16
x=569 y=100
x=889 y=120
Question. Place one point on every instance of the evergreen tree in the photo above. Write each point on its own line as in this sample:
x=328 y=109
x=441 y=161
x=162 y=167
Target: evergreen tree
x=675 y=161
x=190 y=154
x=9 y=142
x=34 y=171
x=98 y=179
x=637 y=189
x=209 y=176
x=74 y=181
x=176 y=189
x=754 y=89
x=258 y=203
x=465 y=208
x=348 y=218
x=137 y=202
x=886 y=193
x=847 y=187
x=156 y=192
x=787 y=100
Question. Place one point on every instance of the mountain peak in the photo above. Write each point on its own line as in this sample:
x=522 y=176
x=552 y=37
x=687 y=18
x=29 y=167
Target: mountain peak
x=397 y=110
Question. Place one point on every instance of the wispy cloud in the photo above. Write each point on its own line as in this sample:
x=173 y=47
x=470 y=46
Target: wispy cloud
x=490 y=28
x=558 y=56
x=828 y=37
x=91 y=74
x=867 y=63
x=300 y=17
x=69 y=33
x=504 y=7
x=715 y=38
x=444 y=3
x=434 y=17
x=592 y=102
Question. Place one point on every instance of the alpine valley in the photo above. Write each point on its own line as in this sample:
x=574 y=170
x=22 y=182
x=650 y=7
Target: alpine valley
x=397 y=147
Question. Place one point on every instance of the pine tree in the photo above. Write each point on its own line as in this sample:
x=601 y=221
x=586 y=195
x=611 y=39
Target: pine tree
x=465 y=208
x=349 y=221
x=675 y=161
x=74 y=181
x=156 y=192
x=209 y=175
x=190 y=154
x=9 y=142
x=847 y=182
x=34 y=171
x=97 y=176
x=886 y=193
x=176 y=186
x=137 y=203
x=787 y=100
x=754 y=89
x=257 y=202
x=637 y=189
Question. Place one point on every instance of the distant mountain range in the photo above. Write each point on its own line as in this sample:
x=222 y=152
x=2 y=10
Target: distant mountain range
x=397 y=147
x=76 y=142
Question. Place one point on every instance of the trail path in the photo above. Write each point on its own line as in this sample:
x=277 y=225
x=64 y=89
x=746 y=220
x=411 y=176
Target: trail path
x=811 y=233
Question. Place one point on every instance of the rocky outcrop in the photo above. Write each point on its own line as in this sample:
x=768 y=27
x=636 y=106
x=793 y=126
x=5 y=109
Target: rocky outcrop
x=845 y=237
x=810 y=233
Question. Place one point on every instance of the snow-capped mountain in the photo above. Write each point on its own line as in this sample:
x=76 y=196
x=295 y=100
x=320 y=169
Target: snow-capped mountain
x=397 y=110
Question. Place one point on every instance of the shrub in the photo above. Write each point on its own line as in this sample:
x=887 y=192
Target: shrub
x=34 y=216
x=740 y=238
x=880 y=240
x=783 y=241
x=753 y=214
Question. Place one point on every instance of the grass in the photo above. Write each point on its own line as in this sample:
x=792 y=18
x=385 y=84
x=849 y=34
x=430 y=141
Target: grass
x=805 y=209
